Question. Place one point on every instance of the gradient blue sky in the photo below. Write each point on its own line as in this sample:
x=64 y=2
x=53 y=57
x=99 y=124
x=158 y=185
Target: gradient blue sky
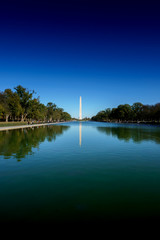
x=109 y=53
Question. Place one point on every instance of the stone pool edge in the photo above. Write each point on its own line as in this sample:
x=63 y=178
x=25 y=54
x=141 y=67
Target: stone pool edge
x=27 y=126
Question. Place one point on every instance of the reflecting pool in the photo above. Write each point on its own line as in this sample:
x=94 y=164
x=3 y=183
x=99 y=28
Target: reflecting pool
x=83 y=171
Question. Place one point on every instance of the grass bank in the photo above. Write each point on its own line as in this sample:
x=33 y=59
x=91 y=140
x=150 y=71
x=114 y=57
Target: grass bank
x=8 y=124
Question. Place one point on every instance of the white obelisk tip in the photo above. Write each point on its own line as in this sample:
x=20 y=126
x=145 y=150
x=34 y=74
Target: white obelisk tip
x=80 y=108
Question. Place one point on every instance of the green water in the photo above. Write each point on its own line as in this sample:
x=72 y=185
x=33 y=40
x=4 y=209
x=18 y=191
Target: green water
x=80 y=172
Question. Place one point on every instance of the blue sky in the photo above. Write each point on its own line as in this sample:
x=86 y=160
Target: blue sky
x=108 y=54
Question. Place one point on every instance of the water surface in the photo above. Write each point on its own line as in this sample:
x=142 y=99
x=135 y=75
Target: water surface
x=80 y=172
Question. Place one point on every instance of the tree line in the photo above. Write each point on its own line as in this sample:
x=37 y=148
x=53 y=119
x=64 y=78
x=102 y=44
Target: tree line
x=21 y=105
x=132 y=113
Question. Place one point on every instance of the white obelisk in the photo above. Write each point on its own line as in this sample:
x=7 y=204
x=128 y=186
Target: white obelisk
x=80 y=108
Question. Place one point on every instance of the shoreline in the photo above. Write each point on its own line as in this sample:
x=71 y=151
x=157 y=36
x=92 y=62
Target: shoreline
x=28 y=126
x=48 y=124
x=130 y=122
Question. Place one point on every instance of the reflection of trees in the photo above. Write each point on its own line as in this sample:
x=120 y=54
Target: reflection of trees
x=136 y=134
x=19 y=143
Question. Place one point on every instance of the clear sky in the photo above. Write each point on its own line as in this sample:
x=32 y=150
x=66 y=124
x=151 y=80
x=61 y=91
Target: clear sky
x=108 y=53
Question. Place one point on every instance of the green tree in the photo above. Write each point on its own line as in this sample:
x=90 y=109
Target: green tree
x=51 y=107
x=66 y=116
x=42 y=112
x=124 y=112
x=5 y=106
x=13 y=103
x=56 y=115
x=137 y=110
x=1 y=110
x=25 y=98
x=33 y=109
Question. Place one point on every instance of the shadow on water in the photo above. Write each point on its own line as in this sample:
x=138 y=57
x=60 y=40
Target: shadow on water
x=19 y=143
x=136 y=134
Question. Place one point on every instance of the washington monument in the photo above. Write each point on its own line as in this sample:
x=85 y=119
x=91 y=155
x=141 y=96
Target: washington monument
x=80 y=108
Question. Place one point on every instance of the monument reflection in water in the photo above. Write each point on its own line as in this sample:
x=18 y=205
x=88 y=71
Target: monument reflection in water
x=80 y=134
